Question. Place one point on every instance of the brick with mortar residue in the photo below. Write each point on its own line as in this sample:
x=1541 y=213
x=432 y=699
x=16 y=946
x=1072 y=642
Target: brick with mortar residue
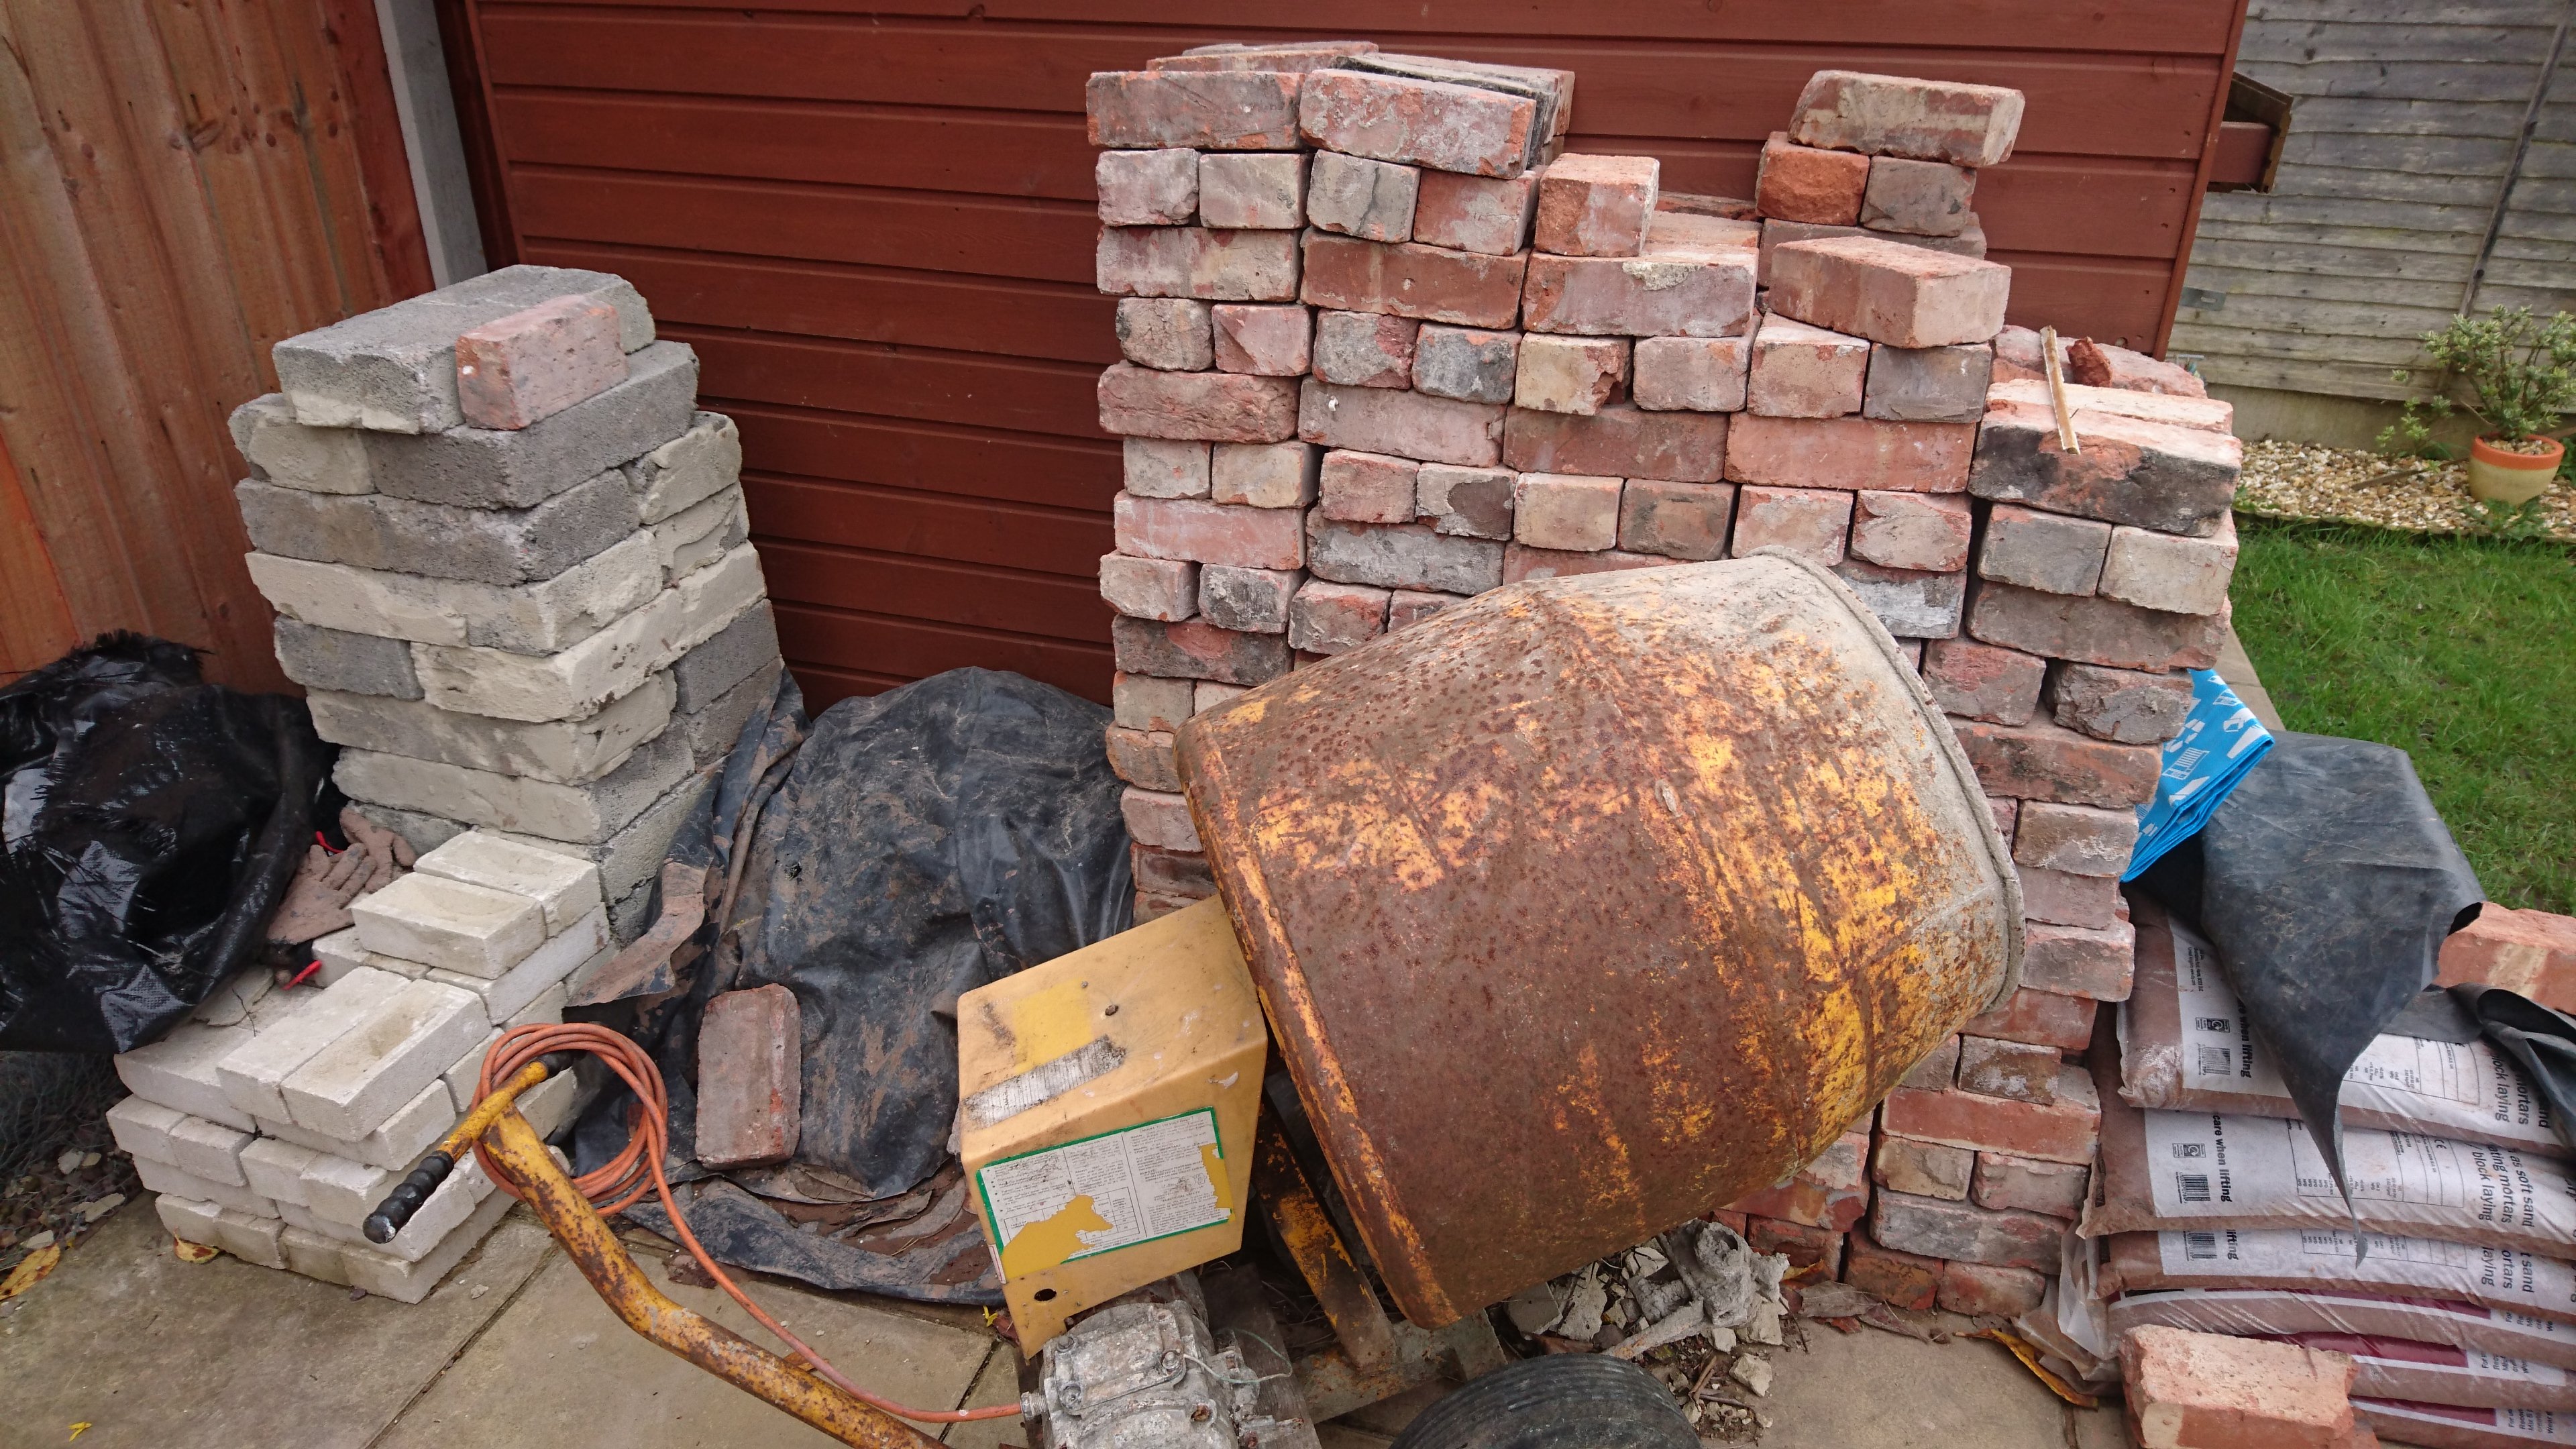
x=1570 y=374
x=1401 y=556
x=1923 y=531
x=1595 y=206
x=1810 y=521
x=1929 y=384
x=1900 y=1280
x=2054 y=896
x=1466 y=502
x=1803 y=1246
x=2064 y=1022
x=1854 y=452
x=2040 y=761
x=1200 y=531
x=1165 y=467
x=1800 y=371
x=750 y=1090
x=1253 y=190
x=1364 y=349
x=1418 y=122
x=1520 y=561
x=1405 y=424
x=1965 y=125
x=1809 y=184
x=1697 y=374
x=1912 y=603
x=2077 y=839
x=1475 y=213
x=1143 y=702
x=1925 y=1169
x=1565 y=511
x=2170 y=572
x=1939 y=1067
x=1368 y=487
x=1248 y=601
x=1193 y=261
x=1686 y=521
x=2094 y=630
x=1371 y=200
x=1223 y=407
x=1263 y=340
x=1466 y=363
x=1159 y=819
x=1150 y=588
x=2060 y=1130
x=2166 y=476
x=1143 y=758
x=1220 y=111
x=2046 y=551
x=1196 y=650
x=1674 y=292
x=2099 y=962
x=1964 y=1232
x=1404 y=279
x=2020 y=1071
x=532 y=364
x=1147 y=188
x=1292 y=55
x=1171 y=872
x=1207 y=694
x=2125 y=706
x=1979 y=681
x=1411 y=606
x=1990 y=1289
x=2005 y=1181
x=1264 y=475
x=1619 y=441
x=2188 y=1390
x=1919 y=198
x=1887 y=291
x=1327 y=618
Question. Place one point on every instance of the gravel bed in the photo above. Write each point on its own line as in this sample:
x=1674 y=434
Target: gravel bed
x=2355 y=485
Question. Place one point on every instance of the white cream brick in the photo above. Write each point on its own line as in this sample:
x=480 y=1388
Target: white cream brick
x=397 y=1144
x=314 y=1255
x=211 y=1150
x=353 y=1086
x=449 y=923
x=236 y=998
x=538 y=618
x=275 y=1168
x=571 y=683
x=560 y=751
x=592 y=811
x=187 y=1219
x=686 y=470
x=460 y=1078
x=162 y=1177
x=339 y=1190
x=446 y=1210
x=714 y=595
x=566 y=886
x=564 y=953
x=342 y=952
x=251 y=1237
x=179 y=1071
x=700 y=534
x=143 y=1128
x=249 y=1076
x=548 y=1008
x=387 y=1276
x=551 y=1104
x=294 y=455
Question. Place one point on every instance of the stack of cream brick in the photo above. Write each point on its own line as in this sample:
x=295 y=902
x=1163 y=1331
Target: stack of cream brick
x=525 y=604
x=1385 y=350
x=273 y=1123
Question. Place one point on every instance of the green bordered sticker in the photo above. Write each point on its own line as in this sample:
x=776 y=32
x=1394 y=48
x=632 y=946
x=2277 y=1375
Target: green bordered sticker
x=1109 y=1191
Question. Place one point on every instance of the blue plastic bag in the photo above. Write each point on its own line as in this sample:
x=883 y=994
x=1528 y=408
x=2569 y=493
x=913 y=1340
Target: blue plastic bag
x=2219 y=742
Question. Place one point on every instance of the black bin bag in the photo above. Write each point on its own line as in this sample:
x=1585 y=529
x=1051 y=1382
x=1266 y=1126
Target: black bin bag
x=149 y=822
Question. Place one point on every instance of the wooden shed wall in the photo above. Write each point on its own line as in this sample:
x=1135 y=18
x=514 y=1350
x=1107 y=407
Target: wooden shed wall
x=2405 y=123
x=876 y=226
x=181 y=184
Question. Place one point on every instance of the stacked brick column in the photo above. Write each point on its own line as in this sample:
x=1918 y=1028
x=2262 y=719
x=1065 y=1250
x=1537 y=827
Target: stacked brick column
x=276 y=1120
x=1864 y=155
x=510 y=565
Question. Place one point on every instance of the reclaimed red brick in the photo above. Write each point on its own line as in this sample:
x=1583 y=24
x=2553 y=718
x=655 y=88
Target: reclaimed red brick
x=1686 y=521
x=2529 y=952
x=1221 y=407
x=1158 y=818
x=1566 y=511
x=1570 y=374
x=1368 y=487
x=2005 y=1181
x=1921 y=198
x=750 y=1091
x=1252 y=190
x=1433 y=284
x=1196 y=650
x=1401 y=556
x=535 y=363
x=2204 y=414
x=1263 y=341
x=1939 y=1067
x=1855 y=453
x=1216 y=111
x=2061 y=1130
x=1418 y=122
x=1142 y=702
x=2097 y=364
x=2162 y=476
x=1402 y=424
x=1294 y=55
x=1811 y=522
x=1475 y=213
x=1800 y=371
x=1914 y=604
x=1803 y=1246
x=1884 y=115
x=1168 y=334
x=1964 y=1232
x=1364 y=349
x=1469 y=364
x=1147 y=188
x=1327 y=618
x=1466 y=502
x=1777 y=234
x=1805 y=183
x=1988 y=1290
x=2077 y=961
x=2007 y=815
x=1205 y=532
x=1929 y=384
x=1143 y=758
x=1192 y=261
x=1924 y=1169
x=1248 y=601
x=1165 y=467
x=1696 y=374
x=1596 y=206
x=1924 y=531
x=1522 y=562
x=2064 y=1022
x=2091 y=901
x=2188 y=1390
x=1887 y=291
x=2094 y=630
x=2077 y=839
x=1412 y=606
x=1171 y=872
x=1808 y=1204
x=1264 y=475
x=1900 y=1280
x=2170 y=572
x=1150 y=588
x=2049 y=552
x=1371 y=200
x=1620 y=441
x=2040 y=761
x=1668 y=292
x=2018 y=1071
x=2125 y=706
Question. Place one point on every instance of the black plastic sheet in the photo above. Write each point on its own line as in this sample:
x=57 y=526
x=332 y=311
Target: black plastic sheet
x=2542 y=1040
x=151 y=823
x=2327 y=883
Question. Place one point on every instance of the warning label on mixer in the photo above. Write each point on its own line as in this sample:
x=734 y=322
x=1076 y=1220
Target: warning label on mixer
x=1115 y=1190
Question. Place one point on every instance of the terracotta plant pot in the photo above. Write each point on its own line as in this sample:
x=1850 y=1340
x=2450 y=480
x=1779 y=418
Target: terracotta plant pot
x=2504 y=477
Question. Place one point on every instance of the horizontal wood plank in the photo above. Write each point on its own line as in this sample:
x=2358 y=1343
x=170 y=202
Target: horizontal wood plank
x=1078 y=474
x=1040 y=607
x=1016 y=394
x=882 y=520
x=915 y=648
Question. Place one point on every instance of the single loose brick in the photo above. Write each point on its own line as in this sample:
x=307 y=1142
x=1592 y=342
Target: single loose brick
x=1401 y=556
x=1562 y=511
x=1222 y=407
x=1327 y=618
x=1248 y=601
x=1777 y=234
x=1216 y=111
x=2077 y=839
x=1418 y=122
x=1434 y=284
x=2040 y=761
x=1193 y=261
x=2163 y=476
x=1147 y=188
x=1912 y=603
x=2095 y=364
x=2188 y=1390
x=1142 y=702
x=1165 y=467
x=1475 y=213
x=2206 y=414
x=1886 y=291
x=1698 y=374
x=1990 y=1290
x=1982 y=682
x=1923 y=531
x=1168 y=334
x=532 y=364
x=1466 y=363
x=1596 y=206
x=1150 y=588
x=2099 y=962
x=1855 y=453
x=1200 y=531
x=2532 y=953
x=1521 y=561
x=1800 y=371
x=2062 y=1129
x=1252 y=190
x=2061 y=898
x=1466 y=502
x=1364 y=349
x=1811 y=522
x=1885 y=115
x=2019 y=1071
x=2124 y=706
x=1196 y=650
x=2167 y=571
x=1264 y=475
x=1819 y=1249
x=750 y=1088
x=1265 y=341
x=1371 y=200
x=1619 y=441
x=2005 y=1181
x=1405 y=424
x=1804 y=183
x=1368 y=487
x=1411 y=606
x=1923 y=198
x=2046 y=551
x=1663 y=293
x=1143 y=758
x=1963 y=1232
x=1159 y=819
x=1570 y=374
x=1900 y=1280
x=1686 y=521
x=1929 y=384
x=2064 y=1022
x=1925 y=1169
x=2094 y=630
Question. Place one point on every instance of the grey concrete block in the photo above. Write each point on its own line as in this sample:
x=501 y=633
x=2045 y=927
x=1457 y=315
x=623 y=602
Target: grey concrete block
x=394 y=369
x=713 y=729
x=347 y=663
x=700 y=534
x=491 y=546
x=488 y=468
x=283 y=451
x=703 y=461
x=561 y=751
x=632 y=917
x=711 y=669
x=581 y=814
x=535 y=618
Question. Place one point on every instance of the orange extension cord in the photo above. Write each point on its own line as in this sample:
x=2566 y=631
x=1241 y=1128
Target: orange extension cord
x=623 y=1182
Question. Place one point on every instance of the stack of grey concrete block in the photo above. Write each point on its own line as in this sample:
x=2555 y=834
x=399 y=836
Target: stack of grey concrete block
x=527 y=603
x=275 y=1120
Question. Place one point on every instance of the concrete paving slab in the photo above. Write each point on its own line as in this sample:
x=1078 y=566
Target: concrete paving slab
x=154 y=1353
x=1879 y=1390
x=997 y=1383
x=559 y=1370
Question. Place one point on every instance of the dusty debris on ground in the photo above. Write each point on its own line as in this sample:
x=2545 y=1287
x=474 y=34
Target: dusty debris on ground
x=2356 y=485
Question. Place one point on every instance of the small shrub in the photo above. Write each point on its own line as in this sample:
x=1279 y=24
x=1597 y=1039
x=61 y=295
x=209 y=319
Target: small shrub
x=2521 y=368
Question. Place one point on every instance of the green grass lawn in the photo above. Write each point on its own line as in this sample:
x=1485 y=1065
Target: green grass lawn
x=2462 y=652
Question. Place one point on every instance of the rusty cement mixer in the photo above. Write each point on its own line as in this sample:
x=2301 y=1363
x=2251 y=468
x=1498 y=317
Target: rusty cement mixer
x=1575 y=910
